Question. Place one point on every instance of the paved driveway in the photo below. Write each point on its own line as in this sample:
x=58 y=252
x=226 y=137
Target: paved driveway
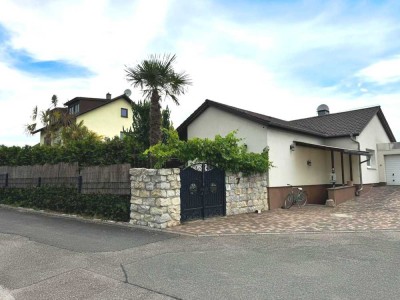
x=377 y=209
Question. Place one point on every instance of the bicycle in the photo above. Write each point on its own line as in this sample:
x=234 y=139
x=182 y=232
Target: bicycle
x=296 y=195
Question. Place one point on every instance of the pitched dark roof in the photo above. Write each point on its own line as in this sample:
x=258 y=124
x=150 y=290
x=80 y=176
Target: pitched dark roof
x=104 y=102
x=98 y=103
x=339 y=124
x=76 y=99
x=326 y=126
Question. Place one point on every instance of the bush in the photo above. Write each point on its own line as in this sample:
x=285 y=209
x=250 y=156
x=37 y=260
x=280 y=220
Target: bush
x=224 y=152
x=68 y=200
x=85 y=152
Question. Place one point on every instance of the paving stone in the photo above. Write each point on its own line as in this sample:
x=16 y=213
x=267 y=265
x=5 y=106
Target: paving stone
x=377 y=208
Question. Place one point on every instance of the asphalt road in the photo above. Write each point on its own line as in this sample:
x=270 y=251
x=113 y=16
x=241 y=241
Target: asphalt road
x=44 y=257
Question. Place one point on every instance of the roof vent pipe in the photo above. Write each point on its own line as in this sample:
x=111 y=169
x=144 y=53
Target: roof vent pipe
x=108 y=96
x=323 y=110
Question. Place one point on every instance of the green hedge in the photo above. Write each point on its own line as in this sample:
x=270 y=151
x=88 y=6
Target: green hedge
x=86 y=153
x=68 y=200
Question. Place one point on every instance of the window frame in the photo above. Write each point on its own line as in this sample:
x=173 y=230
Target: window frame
x=122 y=112
x=371 y=163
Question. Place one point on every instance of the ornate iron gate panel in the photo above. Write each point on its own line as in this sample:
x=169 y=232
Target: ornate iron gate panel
x=202 y=192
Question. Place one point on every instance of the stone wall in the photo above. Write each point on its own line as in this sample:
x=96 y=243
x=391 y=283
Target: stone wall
x=156 y=203
x=155 y=200
x=245 y=194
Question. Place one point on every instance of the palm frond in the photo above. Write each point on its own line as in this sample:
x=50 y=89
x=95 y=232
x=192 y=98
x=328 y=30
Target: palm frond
x=34 y=113
x=30 y=128
x=54 y=100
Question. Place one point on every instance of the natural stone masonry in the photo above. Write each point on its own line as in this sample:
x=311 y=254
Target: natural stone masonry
x=155 y=200
x=246 y=194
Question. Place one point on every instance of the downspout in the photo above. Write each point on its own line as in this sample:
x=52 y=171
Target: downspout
x=358 y=191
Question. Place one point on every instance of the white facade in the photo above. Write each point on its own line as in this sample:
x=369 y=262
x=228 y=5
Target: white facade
x=386 y=164
x=290 y=166
x=372 y=135
x=302 y=165
x=215 y=121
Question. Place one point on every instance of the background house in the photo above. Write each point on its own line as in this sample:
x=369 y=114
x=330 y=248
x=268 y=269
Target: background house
x=105 y=116
x=304 y=152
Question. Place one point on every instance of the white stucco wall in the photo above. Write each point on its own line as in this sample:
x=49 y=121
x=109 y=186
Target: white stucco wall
x=385 y=149
x=214 y=121
x=290 y=167
x=342 y=142
x=372 y=135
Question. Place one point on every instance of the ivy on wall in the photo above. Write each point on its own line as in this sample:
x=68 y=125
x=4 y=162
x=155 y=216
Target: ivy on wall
x=224 y=152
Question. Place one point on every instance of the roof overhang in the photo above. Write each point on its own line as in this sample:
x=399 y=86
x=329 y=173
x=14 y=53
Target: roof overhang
x=330 y=148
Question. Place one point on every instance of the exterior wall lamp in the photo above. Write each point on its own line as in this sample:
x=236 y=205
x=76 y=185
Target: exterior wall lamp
x=292 y=146
x=309 y=162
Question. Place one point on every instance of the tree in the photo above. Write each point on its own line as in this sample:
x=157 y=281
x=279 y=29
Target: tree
x=140 y=129
x=59 y=126
x=53 y=119
x=78 y=132
x=156 y=77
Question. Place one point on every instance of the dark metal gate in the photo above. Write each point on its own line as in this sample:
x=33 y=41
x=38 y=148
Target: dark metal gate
x=202 y=192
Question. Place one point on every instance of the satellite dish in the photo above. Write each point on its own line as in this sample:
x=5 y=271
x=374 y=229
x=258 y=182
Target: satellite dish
x=128 y=92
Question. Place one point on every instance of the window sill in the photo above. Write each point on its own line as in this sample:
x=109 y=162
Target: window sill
x=371 y=168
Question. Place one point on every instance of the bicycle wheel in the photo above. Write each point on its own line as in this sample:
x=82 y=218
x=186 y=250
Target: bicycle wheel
x=288 y=201
x=301 y=199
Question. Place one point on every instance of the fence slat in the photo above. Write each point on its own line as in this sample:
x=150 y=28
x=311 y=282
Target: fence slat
x=112 y=179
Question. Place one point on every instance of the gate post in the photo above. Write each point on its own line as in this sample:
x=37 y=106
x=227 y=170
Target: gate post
x=155 y=197
x=79 y=184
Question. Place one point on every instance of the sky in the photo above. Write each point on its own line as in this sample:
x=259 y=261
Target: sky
x=281 y=58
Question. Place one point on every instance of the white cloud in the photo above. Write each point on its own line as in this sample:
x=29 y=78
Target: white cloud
x=247 y=64
x=382 y=72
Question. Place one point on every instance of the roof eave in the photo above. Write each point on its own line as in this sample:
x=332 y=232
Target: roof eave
x=209 y=103
x=386 y=126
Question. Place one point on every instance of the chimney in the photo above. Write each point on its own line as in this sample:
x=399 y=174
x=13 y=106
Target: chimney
x=108 y=96
x=323 y=110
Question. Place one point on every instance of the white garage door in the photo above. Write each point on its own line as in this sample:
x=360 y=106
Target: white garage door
x=392 y=165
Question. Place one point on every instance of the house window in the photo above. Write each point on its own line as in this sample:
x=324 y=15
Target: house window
x=74 y=109
x=124 y=112
x=371 y=161
x=121 y=135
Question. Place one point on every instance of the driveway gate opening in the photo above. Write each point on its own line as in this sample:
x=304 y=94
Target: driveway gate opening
x=202 y=192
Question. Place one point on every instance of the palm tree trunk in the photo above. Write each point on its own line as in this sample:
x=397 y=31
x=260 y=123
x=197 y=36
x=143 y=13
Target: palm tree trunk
x=155 y=119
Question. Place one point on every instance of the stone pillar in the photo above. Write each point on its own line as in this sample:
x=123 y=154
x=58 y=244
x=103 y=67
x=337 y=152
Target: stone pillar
x=155 y=200
x=245 y=194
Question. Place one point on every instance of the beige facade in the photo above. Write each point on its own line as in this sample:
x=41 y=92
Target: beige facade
x=106 y=120
x=102 y=116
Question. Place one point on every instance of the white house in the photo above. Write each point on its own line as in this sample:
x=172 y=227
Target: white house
x=304 y=152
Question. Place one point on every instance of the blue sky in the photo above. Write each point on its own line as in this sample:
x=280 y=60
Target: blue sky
x=280 y=58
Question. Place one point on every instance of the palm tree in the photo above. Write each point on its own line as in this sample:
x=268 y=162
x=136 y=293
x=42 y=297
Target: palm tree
x=156 y=77
x=53 y=119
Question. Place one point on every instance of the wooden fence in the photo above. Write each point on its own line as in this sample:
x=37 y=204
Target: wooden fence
x=112 y=179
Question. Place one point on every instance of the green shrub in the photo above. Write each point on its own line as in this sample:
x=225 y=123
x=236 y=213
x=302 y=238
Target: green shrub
x=223 y=152
x=85 y=152
x=68 y=200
